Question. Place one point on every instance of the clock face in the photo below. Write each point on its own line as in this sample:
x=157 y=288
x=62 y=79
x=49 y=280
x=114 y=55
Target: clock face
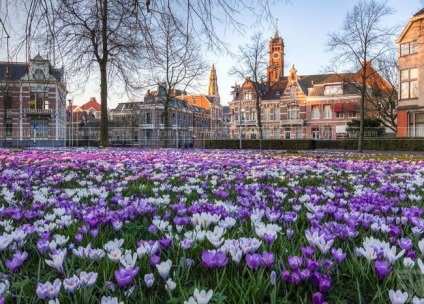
x=275 y=54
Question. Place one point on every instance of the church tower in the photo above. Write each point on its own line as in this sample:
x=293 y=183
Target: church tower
x=213 y=83
x=275 y=70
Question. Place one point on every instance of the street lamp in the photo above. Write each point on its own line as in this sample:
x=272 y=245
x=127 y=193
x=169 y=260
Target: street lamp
x=240 y=122
x=72 y=122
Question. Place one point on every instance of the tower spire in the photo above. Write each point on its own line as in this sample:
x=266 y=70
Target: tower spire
x=213 y=82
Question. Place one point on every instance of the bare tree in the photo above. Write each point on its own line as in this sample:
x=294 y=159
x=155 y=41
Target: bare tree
x=382 y=98
x=176 y=63
x=109 y=38
x=252 y=61
x=361 y=40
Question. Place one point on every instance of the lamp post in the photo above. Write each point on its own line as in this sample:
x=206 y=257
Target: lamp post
x=241 y=111
x=71 y=133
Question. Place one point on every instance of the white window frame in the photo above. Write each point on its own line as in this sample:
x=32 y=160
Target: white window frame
x=315 y=112
x=327 y=112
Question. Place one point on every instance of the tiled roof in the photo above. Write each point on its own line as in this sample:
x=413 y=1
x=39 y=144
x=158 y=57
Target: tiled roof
x=92 y=104
x=17 y=70
x=276 y=90
x=420 y=12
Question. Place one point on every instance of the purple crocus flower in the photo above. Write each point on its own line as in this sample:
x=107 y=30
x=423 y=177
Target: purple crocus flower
x=152 y=229
x=253 y=261
x=43 y=245
x=17 y=261
x=273 y=278
x=312 y=264
x=2 y=300
x=48 y=290
x=295 y=262
x=295 y=278
x=154 y=260
x=124 y=276
x=338 y=255
x=307 y=251
x=285 y=275
x=165 y=243
x=149 y=279
x=405 y=243
x=267 y=259
x=382 y=268
x=78 y=238
x=324 y=283
x=318 y=298
x=269 y=237
x=212 y=259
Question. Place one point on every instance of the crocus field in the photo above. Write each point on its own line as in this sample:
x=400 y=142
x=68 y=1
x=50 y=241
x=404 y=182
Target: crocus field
x=209 y=226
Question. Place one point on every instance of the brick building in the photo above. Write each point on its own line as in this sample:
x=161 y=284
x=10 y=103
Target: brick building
x=411 y=95
x=296 y=106
x=32 y=104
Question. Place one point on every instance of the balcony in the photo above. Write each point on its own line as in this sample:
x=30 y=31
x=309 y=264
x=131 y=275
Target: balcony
x=292 y=122
x=31 y=112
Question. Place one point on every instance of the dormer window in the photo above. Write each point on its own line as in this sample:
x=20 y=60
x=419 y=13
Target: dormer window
x=248 y=95
x=333 y=89
x=39 y=74
x=292 y=94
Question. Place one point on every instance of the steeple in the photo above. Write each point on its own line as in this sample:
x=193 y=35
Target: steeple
x=213 y=83
x=275 y=70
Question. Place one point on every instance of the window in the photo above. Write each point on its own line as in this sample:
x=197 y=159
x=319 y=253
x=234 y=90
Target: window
x=293 y=94
x=315 y=112
x=276 y=113
x=148 y=118
x=409 y=83
x=298 y=133
x=339 y=114
x=39 y=74
x=408 y=48
x=247 y=95
x=252 y=135
x=276 y=133
x=252 y=114
x=327 y=112
x=333 y=90
x=266 y=133
x=292 y=112
x=266 y=114
x=39 y=101
x=351 y=114
x=8 y=127
x=315 y=133
x=416 y=124
x=287 y=133
x=327 y=132
x=40 y=127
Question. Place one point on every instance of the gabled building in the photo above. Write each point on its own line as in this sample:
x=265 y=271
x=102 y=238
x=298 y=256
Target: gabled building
x=32 y=104
x=296 y=106
x=410 y=108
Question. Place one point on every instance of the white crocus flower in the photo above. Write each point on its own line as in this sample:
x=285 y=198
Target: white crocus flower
x=390 y=254
x=129 y=259
x=170 y=285
x=369 y=253
x=398 y=297
x=202 y=297
x=416 y=300
x=115 y=255
x=191 y=300
x=164 y=268
x=408 y=262
x=421 y=245
x=110 y=300
x=111 y=245
x=324 y=245
x=420 y=265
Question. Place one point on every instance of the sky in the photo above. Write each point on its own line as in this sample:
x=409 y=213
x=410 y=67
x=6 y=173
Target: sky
x=303 y=24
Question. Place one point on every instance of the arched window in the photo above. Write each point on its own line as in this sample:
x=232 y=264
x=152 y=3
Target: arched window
x=39 y=74
x=293 y=93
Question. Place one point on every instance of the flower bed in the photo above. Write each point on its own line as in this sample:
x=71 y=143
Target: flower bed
x=156 y=226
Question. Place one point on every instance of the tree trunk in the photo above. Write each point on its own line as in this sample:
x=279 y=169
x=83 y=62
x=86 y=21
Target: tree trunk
x=362 y=107
x=104 y=135
x=104 y=132
x=166 y=124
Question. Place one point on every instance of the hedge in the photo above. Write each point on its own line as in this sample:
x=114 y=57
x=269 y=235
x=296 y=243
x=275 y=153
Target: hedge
x=392 y=144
